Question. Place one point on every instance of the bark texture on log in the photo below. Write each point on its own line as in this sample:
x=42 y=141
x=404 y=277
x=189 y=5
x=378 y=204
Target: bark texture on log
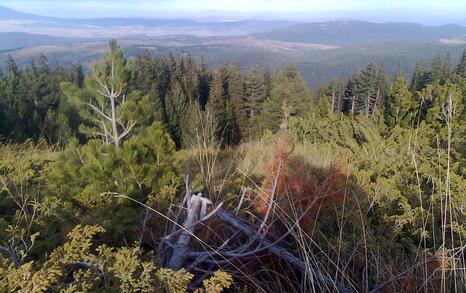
x=194 y=211
x=240 y=224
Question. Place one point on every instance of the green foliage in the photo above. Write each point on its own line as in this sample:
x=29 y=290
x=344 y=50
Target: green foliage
x=106 y=270
x=217 y=283
x=402 y=147
x=21 y=187
x=289 y=96
x=176 y=282
x=94 y=175
x=399 y=108
x=366 y=91
x=176 y=104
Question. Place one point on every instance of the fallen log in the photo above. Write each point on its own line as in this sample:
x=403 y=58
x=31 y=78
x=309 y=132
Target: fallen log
x=175 y=248
x=275 y=249
x=196 y=210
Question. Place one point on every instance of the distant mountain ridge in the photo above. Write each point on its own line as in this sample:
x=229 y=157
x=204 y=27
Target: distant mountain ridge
x=17 y=40
x=334 y=33
x=361 y=32
x=11 y=14
x=161 y=26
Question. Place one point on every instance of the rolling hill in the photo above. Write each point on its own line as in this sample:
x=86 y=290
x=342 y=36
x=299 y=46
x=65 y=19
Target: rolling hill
x=15 y=21
x=11 y=14
x=361 y=32
x=17 y=40
x=316 y=64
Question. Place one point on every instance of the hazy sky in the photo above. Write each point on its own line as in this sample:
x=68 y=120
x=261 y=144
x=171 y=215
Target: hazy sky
x=156 y=8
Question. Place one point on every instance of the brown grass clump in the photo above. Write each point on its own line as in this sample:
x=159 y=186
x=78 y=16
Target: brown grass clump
x=298 y=188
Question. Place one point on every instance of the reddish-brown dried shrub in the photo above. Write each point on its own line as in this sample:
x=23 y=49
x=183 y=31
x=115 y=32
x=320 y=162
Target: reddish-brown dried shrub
x=301 y=189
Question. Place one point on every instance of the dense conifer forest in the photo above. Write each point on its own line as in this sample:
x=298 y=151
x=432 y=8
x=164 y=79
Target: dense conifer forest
x=160 y=174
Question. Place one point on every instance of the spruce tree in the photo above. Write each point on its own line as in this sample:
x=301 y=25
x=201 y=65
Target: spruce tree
x=77 y=74
x=267 y=81
x=399 y=104
x=237 y=106
x=205 y=78
x=461 y=67
x=440 y=69
x=255 y=96
x=175 y=105
x=217 y=105
x=290 y=93
x=143 y=74
x=190 y=124
x=420 y=78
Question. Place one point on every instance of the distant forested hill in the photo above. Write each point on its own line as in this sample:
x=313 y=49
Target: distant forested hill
x=316 y=66
x=360 y=32
x=16 y=40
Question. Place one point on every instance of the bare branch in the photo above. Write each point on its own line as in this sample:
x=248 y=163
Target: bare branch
x=127 y=131
x=99 y=111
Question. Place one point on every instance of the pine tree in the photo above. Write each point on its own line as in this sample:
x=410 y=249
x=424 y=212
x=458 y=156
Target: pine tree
x=190 y=124
x=290 y=93
x=217 y=105
x=103 y=108
x=420 y=78
x=399 y=104
x=77 y=75
x=461 y=67
x=175 y=105
x=205 y=78
x=440 y=69
x=267 y=81
x=237 y=104
x=255 y=96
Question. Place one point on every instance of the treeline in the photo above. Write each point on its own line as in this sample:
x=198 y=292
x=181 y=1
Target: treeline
x=40 y=102
x=37 y=101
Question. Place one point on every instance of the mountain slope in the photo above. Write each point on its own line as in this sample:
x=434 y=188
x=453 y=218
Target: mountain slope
x=118 y=27
x=16 y=40
x=360 y=32
x=11 y=14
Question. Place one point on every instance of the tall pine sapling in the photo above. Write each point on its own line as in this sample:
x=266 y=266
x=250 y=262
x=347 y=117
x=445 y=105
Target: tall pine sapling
x=109 y=78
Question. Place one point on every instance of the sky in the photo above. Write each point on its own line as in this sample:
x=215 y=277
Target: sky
x=160 y=8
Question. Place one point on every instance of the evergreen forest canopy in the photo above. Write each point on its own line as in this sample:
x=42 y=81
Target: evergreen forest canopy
x=158 y=174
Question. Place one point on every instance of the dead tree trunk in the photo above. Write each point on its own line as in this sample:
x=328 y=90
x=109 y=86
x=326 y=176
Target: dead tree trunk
x=194 y=212
x=278 y=251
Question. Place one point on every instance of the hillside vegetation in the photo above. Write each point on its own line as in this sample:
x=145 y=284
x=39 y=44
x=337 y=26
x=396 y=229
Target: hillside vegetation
x=362 y=32
x=158 y=174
